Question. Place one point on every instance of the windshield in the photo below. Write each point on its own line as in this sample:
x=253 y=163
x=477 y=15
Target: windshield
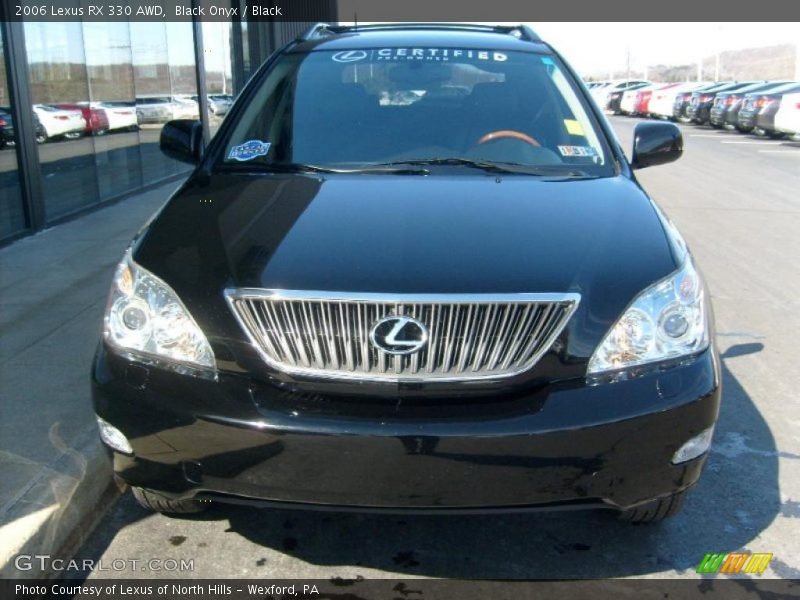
x=361 y=108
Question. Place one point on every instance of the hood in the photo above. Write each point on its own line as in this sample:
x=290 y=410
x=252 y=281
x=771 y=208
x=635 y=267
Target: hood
x=601 y=238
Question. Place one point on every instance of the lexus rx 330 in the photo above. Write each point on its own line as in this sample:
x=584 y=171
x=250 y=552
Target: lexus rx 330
x=412 y=271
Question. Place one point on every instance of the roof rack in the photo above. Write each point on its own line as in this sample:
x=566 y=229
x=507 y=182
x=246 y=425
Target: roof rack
x=319 y=30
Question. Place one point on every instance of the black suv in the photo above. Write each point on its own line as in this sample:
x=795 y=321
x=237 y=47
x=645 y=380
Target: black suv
x=413 y=270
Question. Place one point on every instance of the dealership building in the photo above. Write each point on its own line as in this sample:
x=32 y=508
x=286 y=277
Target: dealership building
x=126 y=79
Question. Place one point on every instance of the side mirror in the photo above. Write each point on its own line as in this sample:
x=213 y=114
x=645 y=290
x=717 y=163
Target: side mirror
x=655 y=144
x=182 y=139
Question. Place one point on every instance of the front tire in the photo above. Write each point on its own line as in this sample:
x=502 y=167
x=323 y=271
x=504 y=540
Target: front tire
x=655 y=510
x=157 y=503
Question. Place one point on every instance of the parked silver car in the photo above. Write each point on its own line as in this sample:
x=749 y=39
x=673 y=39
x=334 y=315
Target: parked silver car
x=218 y=104
x=154 y=109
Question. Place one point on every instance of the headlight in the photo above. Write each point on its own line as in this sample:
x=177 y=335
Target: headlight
x=145 y=316
x=666 y=321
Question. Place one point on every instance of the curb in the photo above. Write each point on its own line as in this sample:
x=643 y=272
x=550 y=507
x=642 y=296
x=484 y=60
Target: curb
x=59 y=509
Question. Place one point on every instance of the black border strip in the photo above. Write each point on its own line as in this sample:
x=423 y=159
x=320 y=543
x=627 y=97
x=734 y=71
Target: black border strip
x=417 y=10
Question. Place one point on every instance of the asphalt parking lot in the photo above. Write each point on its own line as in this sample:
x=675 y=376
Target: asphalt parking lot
x=735 y=198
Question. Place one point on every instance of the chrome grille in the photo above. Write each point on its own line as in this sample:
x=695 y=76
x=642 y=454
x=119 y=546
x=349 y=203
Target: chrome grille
x=470 y=336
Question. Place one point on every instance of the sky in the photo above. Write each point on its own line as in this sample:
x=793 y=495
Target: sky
x=598 y=48
x=594 y=48
x=591 y=48
x=99 y=43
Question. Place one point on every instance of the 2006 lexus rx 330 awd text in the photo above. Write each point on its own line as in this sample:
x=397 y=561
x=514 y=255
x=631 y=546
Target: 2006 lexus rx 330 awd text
x=413 y=270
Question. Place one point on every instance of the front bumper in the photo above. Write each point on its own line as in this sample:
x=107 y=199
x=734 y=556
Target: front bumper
x=699 y=113
x=716 y=116
x=766 y=122
x=747 y=119
x=732 y=117
x=238 y=439
x=680 y=109
x=613 y=104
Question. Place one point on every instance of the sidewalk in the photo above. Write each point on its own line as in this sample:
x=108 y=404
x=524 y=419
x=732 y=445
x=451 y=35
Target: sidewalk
x=55 y=479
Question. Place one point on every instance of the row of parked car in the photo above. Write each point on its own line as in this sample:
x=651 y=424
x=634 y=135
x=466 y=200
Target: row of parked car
x=73 y=120
x=770 y=108
x=160 y=109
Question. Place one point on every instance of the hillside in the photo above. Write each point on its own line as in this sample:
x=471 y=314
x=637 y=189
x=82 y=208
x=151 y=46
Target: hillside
x=771 y=62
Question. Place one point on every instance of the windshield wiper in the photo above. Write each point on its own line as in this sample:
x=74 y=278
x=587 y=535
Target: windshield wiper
x=494 y=167
x=309 y=168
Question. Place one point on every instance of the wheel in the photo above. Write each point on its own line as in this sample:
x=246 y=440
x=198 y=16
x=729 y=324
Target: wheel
x=158 y=503
x=655 y=510
x=41 y=137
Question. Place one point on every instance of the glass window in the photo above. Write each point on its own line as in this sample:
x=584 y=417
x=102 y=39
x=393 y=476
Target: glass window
x=102 y=92
x=110 y=111
x=12 y=215
x=219 y=78
x=164 y=82
x=408 y=104
x=59 y=89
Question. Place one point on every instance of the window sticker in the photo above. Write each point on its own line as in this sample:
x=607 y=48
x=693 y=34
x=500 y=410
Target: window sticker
x=349 y=56
x=421 y=54
x=574 y=127
x=577 y=151
x=439 y=54
x=249 y=150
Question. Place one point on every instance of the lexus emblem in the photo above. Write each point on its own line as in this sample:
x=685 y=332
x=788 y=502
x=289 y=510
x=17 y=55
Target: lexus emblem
x=399 y=335
x=349 y=56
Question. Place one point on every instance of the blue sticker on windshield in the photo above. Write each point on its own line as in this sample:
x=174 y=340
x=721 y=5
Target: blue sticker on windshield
x=548 y=61
x=249 y=150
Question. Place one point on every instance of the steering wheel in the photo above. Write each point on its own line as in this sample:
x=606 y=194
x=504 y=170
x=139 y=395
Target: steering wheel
x=508 y=133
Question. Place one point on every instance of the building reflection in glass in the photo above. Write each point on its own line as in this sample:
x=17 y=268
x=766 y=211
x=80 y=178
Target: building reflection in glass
x=102 y=92
x=12 y=217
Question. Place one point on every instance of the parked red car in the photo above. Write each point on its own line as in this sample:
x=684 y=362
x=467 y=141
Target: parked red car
x=95 y=118
x=642 y=106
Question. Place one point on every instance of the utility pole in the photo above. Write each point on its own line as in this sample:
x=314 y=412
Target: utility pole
x=225 y=60
x=628 y=64
x=200 y=71
x=797 y=62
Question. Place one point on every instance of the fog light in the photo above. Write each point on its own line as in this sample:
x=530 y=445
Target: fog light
x=114 y=437
x=694 y=447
